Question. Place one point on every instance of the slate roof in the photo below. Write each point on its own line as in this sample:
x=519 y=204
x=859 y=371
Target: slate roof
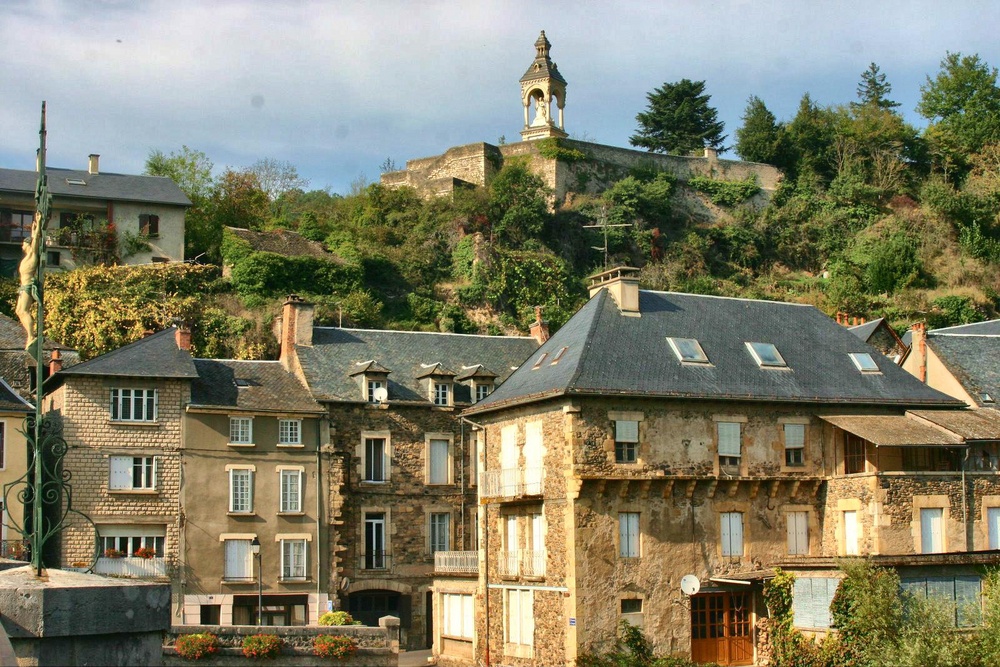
x=155 y=356
x=892 y=430
x=983 y=424
x=335 y=353
x=16 y=365
x=610 y=354
x=10 y=401
x=973 y=360
x=865 y=331
x=988 y=328
x=269 y=387
x=284 y=242
x=104 y=186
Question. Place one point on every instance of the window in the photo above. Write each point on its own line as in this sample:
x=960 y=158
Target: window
x=729 y=447
x=795 y=443
x=688 y=350
x=291 y=491
x=626 y=441
x=766 y=355
x=15 y=225
x=127 y=540
x=375 y=460
x=289 y=431
x=375 y=541
x=241 y=490
x=132 y=473
x=559 y=356
x=520 y=617
x=811 y=598
x=149 y=225
x=732 y=534
x=960 y=593
x=534 y=562
x=440 y=531
x=631 y=605
x=293 y=559
x=458 y=622
x=628 y=534
x=240 y=430
x=133 y=405
x=539 y=361
x=442 y=391
x=854 y=454
x=931 y=530
x=509 y=562
x=482 y=391
x=993 y=526
x=864 y=362
x=850 y=518
x=439 y=461
x=373 y=387
x=53 y=258
x=798 y=533
x=239 y=560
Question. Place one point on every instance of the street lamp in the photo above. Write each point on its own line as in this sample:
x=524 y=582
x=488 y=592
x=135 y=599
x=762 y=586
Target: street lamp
x=255 y=548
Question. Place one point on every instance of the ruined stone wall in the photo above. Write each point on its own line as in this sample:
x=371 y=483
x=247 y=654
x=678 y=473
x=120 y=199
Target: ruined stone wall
x=83 y=404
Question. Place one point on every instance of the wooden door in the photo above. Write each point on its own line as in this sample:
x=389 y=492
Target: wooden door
x=721 y=628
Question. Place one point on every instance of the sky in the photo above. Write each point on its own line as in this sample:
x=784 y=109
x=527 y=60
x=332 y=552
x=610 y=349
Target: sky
x=338 y=88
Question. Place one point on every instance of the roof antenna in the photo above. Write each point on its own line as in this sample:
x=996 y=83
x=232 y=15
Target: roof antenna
x=604 y=225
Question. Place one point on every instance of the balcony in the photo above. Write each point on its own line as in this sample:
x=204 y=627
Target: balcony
x=512 y=482
x=132 y=567
x=523 y=562
x=456 y=562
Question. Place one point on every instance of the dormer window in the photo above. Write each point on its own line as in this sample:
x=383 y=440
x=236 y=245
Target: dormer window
x=864 y=362
x=438 y=383
x=373 y=390
x=766 y=355
x=442 y=393
x=688 y=350
x=986 y=398
x=372 y=379
x=483 y=390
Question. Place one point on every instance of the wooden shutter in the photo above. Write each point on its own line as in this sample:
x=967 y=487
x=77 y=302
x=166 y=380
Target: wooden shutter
x=931 y=526
x=534 y=456
x=514 y=616
x=238 y=559
x=968 y=606
x=438 y=473
x=121 y=472
x=798 y=533
x=729 y=438
x=527 y=618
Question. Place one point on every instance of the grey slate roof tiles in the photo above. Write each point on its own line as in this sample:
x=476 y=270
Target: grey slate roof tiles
x=973 y=360
x=614 y=355
x=156 y=355
x=335 y=353
x=266 y=387
x=105 y=186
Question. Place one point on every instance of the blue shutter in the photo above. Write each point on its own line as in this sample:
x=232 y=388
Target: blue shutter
x=802 y=603
x=967 y=592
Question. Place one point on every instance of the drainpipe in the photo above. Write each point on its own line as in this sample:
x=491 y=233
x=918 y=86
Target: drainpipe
x=319 y=533
x=486 y=539
x=965 y=509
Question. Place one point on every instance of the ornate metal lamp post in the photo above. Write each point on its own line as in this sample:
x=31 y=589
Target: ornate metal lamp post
x=255 y=548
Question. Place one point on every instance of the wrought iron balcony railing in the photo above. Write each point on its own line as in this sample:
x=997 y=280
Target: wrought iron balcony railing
x=512 y=482
x=456 y=562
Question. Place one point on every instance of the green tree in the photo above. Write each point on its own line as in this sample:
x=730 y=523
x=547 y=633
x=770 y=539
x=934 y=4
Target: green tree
x=812 y=135
x=276 y=178
x=517 y=205
x=874 y=90
x=191 y=170
x=962 y=104
x=239 y=201
x=679 y=120
x=760 y=137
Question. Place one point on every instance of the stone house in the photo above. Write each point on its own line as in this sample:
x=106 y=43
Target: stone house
x=403 y=498
x=93 y=212
x=961 y=361
x=253 y=470
x=659 y=435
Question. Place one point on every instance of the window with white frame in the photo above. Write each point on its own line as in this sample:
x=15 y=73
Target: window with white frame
x=126 y=540
x=373 y=387
x=132 y=473
x=440 y=533
x=133 y=405
x=289 y=431
x=520 y=617
x=628 y=534
x=482 y=390
x=931 y=530
x=241 y=490
x=293 y=559
x=993 y=526
x=241 y=430
x=376 y=464
x=291 y=491
x=438 y=461
x=442 y=393
x=459 y=618
x=626 y=441
x=730 y=446
x=239 y=560
x=732 y=534
x=375 y=545
x=795 y=444
x=798 y=533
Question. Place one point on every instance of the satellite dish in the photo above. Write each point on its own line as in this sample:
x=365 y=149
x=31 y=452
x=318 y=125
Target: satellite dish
x=345 y=583
x=690 y=584
x=381 y=394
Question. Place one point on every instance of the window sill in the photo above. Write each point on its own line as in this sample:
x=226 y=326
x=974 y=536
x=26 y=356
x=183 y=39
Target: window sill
x=290 y=445
x=443 y=408
x=125 y=422
x=243 y=445
x=239 y=582
x=792 y=469
x=294 y=580
x=291 y=513
x=241 y=514
x=375 y=482
x=134 y=492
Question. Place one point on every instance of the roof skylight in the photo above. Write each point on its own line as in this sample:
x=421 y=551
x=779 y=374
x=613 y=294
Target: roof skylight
x=986 y=398
x=766 y=355
x=75 y=181
x=540 y=361
x=688 y=350
x=558 y=356
x=240 y=382
x=864 y=362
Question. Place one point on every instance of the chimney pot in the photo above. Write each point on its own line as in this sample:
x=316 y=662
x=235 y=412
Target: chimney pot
x=183 y=336
x=539 y=328
x=93 y=163
x=55 y=362
x=623 y=285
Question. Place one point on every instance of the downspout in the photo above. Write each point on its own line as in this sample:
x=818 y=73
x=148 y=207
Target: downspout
x=461 y=477
x=319 y=505
x=485 y=533
x=965 y=509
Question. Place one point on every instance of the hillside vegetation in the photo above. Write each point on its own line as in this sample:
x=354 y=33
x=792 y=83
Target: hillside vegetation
x=873 y=218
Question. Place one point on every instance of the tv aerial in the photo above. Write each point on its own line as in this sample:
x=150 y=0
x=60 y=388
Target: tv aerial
x=603 y=224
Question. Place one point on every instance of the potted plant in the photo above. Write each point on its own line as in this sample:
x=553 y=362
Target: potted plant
x=197 y=646
x=336 y=647
x=113 y=553
x=262 y=646
x=145 y=552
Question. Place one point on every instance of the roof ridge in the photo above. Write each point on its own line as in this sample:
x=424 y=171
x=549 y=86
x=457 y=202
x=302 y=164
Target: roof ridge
x=603 y=296
x=731 y=298
x=429 y=333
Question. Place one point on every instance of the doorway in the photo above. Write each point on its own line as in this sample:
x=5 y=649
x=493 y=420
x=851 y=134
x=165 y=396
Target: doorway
x=721 y=628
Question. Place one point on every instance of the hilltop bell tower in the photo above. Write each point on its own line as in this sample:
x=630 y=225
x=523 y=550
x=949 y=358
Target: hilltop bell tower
x=543 y=88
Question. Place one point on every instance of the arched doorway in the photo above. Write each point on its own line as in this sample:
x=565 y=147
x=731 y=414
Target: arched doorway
x=370 y=605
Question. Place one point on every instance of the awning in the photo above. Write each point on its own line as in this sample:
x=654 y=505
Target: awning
x=894 y=430
x=744 y=578
x=982 y=424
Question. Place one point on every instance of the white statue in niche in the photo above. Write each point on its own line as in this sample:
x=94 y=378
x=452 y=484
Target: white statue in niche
x=541 y=112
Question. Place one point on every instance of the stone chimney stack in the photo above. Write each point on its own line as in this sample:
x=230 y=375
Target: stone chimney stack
x=55 y=362
x=296 y=325
x=183 y=335
x=918 y=345
x=539 y=328
x=711 y=154
x=623 y=284
x=93 y=163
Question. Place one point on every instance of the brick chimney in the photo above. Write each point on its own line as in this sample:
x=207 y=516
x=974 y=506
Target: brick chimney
x=55 y=362
x=918 y=344
x=296 y=325
x=623 y=285
x=93 y=163
x=711 y=154
x=183 y=335
x=539 y=328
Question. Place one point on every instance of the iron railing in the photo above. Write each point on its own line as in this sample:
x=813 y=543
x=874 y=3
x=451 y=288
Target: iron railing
x=512 y=482
x=456 y=562
x=524 y=562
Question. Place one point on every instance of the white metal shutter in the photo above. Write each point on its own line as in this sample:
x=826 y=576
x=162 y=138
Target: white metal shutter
x=802 y=603
x=798 y=533
x=626 y=431
x=931 y=529
x=729 y=438
x=439 y=462
x=514 y=616
x=508 y=447
x=511 y=533
x=851 y=533
x=121 y=472
x=527 y=618
x=238 y=559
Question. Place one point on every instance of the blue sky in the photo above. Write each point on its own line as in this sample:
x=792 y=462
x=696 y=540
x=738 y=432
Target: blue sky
x=336 y=88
